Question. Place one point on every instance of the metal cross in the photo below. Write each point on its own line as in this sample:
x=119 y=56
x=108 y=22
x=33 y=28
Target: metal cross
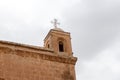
x=55 y=22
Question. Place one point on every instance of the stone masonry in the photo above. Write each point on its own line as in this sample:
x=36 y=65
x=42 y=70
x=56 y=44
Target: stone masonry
x=26 y=62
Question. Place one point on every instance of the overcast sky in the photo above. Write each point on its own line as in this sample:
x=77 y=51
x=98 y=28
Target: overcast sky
x=94 y=26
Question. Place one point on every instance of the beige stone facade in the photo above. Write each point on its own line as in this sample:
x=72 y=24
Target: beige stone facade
x=54 y=61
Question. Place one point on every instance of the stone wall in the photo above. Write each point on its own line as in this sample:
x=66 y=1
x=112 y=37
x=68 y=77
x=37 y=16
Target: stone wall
x=20 y=63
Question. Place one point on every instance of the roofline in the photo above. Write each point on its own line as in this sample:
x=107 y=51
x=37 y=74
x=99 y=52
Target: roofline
x=54 y=30
x=25 y=46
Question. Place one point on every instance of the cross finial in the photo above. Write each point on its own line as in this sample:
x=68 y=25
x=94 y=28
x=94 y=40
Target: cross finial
x=55 y=22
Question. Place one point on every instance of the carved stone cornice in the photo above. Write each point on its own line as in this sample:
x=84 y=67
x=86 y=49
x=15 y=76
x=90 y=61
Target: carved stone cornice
x=56 y=32
x=34 y=52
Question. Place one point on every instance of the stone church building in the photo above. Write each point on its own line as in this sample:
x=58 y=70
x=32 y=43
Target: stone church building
x=54 y=61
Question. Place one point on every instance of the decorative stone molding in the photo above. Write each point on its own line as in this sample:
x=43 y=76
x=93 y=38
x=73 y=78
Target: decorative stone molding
x=34 y=52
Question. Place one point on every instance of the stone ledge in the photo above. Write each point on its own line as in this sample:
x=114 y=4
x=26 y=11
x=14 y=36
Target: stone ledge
x=57 y=32
x=34 y=52
x=18 y=45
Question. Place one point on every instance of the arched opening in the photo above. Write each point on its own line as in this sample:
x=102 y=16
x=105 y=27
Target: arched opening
x=48 y=46
x=61 y=46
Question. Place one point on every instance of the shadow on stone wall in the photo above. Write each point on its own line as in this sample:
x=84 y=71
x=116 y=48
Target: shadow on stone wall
x=67 y=76
x=2 y=79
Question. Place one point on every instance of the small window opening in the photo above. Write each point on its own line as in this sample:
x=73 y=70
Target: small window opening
x=61 y=46
x=48 y=46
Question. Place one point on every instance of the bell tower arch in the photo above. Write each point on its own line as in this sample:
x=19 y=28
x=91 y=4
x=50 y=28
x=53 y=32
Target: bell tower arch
x=61 y=46
x=59 y=41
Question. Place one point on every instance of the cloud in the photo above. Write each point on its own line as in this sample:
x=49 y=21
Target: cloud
x=104 y=66
x=94 y=24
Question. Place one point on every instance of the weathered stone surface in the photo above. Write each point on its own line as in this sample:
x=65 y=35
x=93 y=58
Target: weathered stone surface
x=26 y=62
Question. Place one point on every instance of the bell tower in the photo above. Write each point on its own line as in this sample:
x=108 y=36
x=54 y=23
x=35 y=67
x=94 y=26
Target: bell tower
x=59 y=41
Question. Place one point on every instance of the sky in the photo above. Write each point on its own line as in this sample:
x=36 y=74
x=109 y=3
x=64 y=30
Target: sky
x=94 y=26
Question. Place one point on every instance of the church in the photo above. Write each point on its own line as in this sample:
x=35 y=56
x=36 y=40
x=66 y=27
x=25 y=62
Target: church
x=54 y=61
